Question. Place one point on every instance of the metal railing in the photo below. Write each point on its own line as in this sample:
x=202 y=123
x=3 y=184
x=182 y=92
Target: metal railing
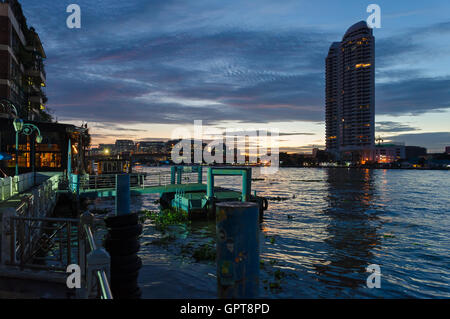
x=96 y=263
x=137 y=180
x=52 y=244
x=42 y=243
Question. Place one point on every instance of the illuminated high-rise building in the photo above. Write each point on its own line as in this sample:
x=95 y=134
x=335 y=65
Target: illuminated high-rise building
x=350 y=94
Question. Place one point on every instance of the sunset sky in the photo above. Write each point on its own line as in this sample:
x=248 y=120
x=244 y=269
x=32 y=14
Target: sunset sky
x=138 y=69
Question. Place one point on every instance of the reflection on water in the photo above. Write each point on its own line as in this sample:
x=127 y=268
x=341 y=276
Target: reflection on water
x=352 y=228
x=318 y=242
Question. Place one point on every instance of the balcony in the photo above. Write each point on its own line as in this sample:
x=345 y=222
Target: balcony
x=36 y=72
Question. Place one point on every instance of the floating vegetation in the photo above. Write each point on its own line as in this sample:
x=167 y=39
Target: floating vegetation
x=205 y=252
x=276 y=285
x=278 y=274
x=388 y=236
x=166 y=217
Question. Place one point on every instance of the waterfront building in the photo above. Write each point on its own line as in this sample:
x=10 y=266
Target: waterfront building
x=153 y=147
x=49 y=155
x=350 y=95
x=124 y=146
x=22 y=72
x=388 y=153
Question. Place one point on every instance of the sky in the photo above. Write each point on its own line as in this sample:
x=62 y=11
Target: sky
x=140 y=69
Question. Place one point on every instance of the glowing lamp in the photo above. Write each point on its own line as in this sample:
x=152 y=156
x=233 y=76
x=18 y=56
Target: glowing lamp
x=18 y=125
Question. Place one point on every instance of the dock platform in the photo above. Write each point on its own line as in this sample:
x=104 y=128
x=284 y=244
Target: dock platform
x=193 y=196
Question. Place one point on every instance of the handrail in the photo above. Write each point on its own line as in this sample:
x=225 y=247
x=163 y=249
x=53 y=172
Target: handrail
x=104 y=285
x=101 y=274
x=90 y=237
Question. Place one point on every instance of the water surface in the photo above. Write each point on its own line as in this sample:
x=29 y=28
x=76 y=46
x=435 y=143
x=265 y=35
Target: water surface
x=318 y=240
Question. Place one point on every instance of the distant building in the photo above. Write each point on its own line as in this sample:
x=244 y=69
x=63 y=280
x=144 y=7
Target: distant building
x=156 y=147
x=22 y=72
x=447 y=150
x=350 y=94
x=415 y=151
x=124 y=146
x=389 y=153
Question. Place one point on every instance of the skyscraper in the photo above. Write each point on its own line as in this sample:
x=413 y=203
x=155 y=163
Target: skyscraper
x=350 y=94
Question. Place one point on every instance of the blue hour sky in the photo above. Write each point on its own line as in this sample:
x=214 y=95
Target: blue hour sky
x=138 y=69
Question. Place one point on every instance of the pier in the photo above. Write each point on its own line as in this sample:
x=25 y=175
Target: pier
x=37 y=247
x=28 y=233
x=181 y=188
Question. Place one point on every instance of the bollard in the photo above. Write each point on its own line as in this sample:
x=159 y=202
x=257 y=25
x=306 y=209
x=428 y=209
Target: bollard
x=123 y=194
x=173 y=172
x=200 y=175
x=210 y=184
x=237 y=229
x=179 y=175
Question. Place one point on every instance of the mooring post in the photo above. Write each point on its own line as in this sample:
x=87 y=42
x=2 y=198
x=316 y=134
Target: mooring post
x=123 y=194
x=179 y=174
x=173 y=172
x=200 y=175
x=244 y=186
x=237 y=231
x=210 y=184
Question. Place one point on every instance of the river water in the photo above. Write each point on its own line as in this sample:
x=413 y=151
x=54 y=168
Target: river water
x=323 y=229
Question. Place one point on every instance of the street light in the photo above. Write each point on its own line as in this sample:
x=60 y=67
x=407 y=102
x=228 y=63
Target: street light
x=26 y=129
x=21 y=127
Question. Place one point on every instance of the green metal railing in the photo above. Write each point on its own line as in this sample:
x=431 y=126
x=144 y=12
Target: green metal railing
x=137 y=180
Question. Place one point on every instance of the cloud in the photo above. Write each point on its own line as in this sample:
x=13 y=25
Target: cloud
x=391 y=127
x=413 y=96
x=434 y=142
x=171 y=62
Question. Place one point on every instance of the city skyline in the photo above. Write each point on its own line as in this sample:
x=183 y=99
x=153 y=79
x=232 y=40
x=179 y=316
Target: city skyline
x=127 y=73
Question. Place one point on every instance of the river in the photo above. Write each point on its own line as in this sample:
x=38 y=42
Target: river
x=318 y=236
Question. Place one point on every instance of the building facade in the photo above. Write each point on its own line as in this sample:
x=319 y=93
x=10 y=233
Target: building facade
x=155 y=147
x=124 y=146
x=389 y=153
x=22 y=72
x=350 y=95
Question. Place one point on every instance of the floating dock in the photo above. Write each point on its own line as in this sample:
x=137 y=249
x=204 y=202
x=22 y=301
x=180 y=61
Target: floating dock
x=196 y=198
